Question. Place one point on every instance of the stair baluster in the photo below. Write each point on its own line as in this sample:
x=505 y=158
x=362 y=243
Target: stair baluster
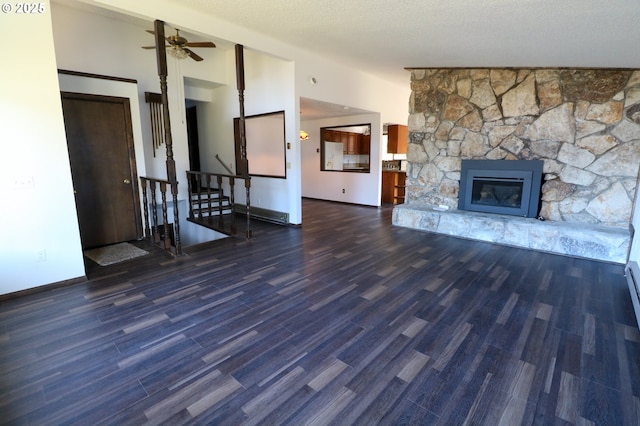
x=208 y=201
x=232 y=200
x=208 y=180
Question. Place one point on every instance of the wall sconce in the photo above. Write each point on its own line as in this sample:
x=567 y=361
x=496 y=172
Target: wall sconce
x=304 y=135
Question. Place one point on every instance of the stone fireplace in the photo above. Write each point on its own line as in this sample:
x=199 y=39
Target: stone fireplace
x=582 y=125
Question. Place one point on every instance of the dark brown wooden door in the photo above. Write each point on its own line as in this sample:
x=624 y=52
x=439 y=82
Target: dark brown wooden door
x=101 y=152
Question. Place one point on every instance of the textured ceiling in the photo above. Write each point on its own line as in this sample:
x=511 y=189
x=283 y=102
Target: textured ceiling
x=385 y=37
x=311 y=109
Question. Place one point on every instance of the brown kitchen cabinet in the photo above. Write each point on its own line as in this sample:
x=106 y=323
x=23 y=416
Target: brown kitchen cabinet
x=397 y=139
x=393 y=187
x=352 y=143
x=332 y=136
x=364 y=143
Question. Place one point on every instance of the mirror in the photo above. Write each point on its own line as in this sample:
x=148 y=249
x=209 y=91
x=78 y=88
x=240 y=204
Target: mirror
x=345 y=148
x=266 y=144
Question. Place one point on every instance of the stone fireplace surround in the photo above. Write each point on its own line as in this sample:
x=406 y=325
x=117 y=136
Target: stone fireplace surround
x=584 y=124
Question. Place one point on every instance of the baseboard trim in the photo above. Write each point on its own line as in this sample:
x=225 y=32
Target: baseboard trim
x=42 y=288
x=633 y=274
x=264 y=214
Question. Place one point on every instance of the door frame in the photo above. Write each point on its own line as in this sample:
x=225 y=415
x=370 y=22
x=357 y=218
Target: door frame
x=135 y=192
x=191 y=113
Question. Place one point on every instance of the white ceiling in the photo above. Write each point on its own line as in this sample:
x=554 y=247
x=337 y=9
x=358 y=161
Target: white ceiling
x=385 y=37
x=311 y=109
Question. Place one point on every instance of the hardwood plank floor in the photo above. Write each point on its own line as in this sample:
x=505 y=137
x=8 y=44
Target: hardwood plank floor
x=346 y=320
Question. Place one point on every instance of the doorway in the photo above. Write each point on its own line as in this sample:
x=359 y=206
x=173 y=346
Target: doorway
x=193 y=141
x=103 y=168
x=192 y=138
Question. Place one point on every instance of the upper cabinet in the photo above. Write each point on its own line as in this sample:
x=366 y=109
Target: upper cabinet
x=353 y=143
x=364 y=144
x=397 y=139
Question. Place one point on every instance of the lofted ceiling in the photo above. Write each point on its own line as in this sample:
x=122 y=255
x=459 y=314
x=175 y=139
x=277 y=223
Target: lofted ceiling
x=312 y=109
x=385 y=37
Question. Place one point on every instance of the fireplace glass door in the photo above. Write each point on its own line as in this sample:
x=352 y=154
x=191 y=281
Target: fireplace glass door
x=500 y=191
x=501 y=186
x=494 y=192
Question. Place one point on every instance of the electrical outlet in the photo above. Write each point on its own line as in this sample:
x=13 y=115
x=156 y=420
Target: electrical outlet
x=41 y=255
x=343 y=190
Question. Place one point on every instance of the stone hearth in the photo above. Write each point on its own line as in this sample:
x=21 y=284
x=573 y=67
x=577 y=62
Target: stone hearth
x=584 y=124
x=579 y=240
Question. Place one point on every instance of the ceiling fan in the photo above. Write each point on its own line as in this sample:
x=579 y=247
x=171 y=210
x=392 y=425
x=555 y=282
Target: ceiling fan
x=178 y=46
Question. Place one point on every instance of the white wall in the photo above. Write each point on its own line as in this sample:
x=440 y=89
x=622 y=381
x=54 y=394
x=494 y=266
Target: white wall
x=359 y=188
x=269 y=87
x=269 y=83
x=40 y=236
x=634 y=253
x=141 y=64
x=103 y=43
x=335 y=83
x=92 y=43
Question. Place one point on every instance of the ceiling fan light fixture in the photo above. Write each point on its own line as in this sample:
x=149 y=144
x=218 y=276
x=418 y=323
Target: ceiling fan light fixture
x=177 y=52
x=178 y=46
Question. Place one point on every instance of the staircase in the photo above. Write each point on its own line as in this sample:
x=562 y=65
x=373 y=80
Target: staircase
x=210 y=202
x=210 y=207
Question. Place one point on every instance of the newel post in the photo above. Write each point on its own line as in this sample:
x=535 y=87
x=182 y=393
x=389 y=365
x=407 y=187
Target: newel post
x=243 y=137
x=161 y=55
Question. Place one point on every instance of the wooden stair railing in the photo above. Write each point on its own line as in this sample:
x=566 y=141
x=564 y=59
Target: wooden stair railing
x=209 y=206
x=153 y=229
x=165 y=129
x=164 y=234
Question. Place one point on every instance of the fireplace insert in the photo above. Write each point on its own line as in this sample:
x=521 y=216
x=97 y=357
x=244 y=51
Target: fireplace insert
x=501 y=186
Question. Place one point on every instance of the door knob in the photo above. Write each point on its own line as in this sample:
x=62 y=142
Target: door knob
x=127 y=181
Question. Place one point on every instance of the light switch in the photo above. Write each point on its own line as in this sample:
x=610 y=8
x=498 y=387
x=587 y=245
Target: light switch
x=23 y=182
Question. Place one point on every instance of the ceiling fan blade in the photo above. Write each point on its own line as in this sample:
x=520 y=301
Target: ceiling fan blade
x=201 y=44
x=193 y=55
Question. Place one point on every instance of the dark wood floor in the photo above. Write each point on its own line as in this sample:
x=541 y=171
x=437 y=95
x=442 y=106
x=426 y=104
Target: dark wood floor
x=346 y=320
